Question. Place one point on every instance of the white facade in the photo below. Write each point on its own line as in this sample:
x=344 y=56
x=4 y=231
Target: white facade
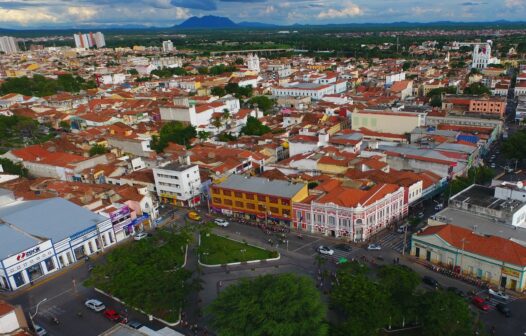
x=8 y=45
x=113 y=79
x=395 y=77
x=168 y=46
x=178 y=182
x=253 y=62
x=9 y=323
x=482 y=56
x=89 y=40
x=314 y=91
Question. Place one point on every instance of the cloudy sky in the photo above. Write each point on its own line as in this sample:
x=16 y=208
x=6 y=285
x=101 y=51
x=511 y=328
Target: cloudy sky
x=78 y=13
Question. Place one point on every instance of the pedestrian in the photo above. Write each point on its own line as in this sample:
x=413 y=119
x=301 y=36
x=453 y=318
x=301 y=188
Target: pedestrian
x=397 y=260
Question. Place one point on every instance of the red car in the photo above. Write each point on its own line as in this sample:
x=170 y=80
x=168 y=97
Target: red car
x=112 y=315
x=480 y=303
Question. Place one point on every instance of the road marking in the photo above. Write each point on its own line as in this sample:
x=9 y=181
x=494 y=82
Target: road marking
x=308 y=244
x=53 y=297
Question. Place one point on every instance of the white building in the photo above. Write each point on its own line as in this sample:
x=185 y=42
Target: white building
x=178 y=182
x=40 y=237
x=253 y=62
x=89 y=40
x=482 y=56
x=168 y=46
x=394 y=77
x=8 y=45
x=313 y=90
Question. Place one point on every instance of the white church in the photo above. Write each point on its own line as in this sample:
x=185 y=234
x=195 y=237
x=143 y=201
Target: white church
x=482 y=55
x=253 y=62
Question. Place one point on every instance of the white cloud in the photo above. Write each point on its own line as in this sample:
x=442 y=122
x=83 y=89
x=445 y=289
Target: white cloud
x=82 y=13
x=269 y=9
x=26 y=16
x=182 y=13
x=349 y=10
x=515 y=3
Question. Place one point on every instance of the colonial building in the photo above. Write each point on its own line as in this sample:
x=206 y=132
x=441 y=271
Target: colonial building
x=354 y=212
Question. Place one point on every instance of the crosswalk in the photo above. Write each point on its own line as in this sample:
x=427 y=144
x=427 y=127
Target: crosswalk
x=392 y=240
x=52 y=311
x=493 y=301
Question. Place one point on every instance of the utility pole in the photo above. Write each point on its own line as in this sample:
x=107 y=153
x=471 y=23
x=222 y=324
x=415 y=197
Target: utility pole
x=31 y=316
x=405 y=237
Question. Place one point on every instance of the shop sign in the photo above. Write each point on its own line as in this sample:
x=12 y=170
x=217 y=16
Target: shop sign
x=28 y=253
x=139 y=219
x=511 y=272
x=119 y=213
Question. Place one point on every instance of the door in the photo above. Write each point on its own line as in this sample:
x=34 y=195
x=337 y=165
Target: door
x=513 y=284
x=503 y=281
x=417 y=252
x=428 y=255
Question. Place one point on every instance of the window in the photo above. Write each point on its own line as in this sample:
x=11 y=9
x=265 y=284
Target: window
x=249 y=196
x=228 y=202
x=239 y=204
x=274 y=210
x=285 y=202
x=50 y=264
x=262 y=198
x=261 y=208
x=332 y=220
x=286 y=213
x=238 y=194
x=227 y=193
x=217 y=200
x=273 y=200
x=250 y=206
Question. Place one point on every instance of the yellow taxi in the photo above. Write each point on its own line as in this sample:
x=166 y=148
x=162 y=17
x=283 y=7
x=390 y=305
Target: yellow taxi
x=194 y=216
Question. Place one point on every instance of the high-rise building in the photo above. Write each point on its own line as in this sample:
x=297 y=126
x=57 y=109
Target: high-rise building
x=168 y=46
x=8 y=44
x=89 y=40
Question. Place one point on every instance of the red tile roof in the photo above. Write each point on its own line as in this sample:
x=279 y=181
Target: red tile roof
x=489 y=246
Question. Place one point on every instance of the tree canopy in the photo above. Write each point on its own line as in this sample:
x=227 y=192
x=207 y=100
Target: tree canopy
x=477 y=89
x=271 y=305
x=41 y=86
x=513 y=147
x=11 y=167
x=97 y=150
x=239 y=91
x=254 y=127
x=173 y=131
x=264 y=103
x=168 y=72
x=218 y=91
x=479 y=175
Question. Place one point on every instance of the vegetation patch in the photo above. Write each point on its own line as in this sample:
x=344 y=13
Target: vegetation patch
x=217 y=250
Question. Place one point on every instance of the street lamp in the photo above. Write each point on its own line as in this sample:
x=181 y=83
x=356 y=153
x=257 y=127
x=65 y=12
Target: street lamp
x=31 y=316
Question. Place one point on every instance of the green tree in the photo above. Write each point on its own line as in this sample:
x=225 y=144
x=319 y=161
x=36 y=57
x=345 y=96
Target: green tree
x=478 y=175
x=11 y=167
x=218 y=91
x=513 y=147
x=98 y=150
x=477 y=89
x=175 y=132
x=64 y=124
x=361 y=301
x=443 y=313
x=271 y=305
x=439 y=91
x=264 y=103
x=225 y=137
x=254 y=127
x=436 y=101
x=203 y=135
x=133 y=72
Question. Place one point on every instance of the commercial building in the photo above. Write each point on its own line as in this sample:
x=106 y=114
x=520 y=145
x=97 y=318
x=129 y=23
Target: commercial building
x=178 y=182
x=387 y=121
x=39 y=237
x=257 y=198
x=498 y=261
x=8 y=45
x=338 y=210
x=89 y=40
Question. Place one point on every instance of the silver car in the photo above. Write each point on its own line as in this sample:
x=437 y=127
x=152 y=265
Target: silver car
x=95 y=305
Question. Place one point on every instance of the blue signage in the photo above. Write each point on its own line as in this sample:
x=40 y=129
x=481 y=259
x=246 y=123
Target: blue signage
x=139 y=219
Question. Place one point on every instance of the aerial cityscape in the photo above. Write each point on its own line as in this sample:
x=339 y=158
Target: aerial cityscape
x=230 y=167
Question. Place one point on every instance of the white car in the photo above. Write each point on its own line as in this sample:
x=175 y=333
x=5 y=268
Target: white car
x=140 y=235
x=95 y=305
x=39 y=331
x=325 y=250
x=221 y=222
x=374 y=247
x=499 y=295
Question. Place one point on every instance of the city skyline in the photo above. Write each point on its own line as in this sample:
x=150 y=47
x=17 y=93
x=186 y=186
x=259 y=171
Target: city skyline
x=163 y=13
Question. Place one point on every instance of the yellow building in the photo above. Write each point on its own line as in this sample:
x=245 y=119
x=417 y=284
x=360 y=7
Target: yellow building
x=257 y=198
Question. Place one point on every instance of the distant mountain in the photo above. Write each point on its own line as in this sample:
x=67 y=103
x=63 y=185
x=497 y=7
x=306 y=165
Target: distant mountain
x=256 y=24
x=208 y=21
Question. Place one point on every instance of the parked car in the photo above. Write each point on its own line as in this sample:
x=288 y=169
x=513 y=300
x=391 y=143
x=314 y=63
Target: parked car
x=500 y=295
x=194 y=216
x=135 y=324
x=374 y=247
x=325 y=250
x=430 y=281
x=140 y=235
x=480 y=303
x=95 y=305
x=112 y=315
x=343 y=247
x=421 y=215
x=503 y=309
x=439 y=207
x=221 y=222
x=40 y=331
x=402 y=228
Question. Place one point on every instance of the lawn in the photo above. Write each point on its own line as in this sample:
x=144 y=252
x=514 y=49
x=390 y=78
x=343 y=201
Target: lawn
x=147 y=274
x=217 y=250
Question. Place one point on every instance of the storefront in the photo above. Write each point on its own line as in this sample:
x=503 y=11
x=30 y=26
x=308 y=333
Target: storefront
x=28 y=266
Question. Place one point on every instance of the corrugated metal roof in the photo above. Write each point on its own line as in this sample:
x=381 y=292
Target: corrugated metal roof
x=262 y=186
